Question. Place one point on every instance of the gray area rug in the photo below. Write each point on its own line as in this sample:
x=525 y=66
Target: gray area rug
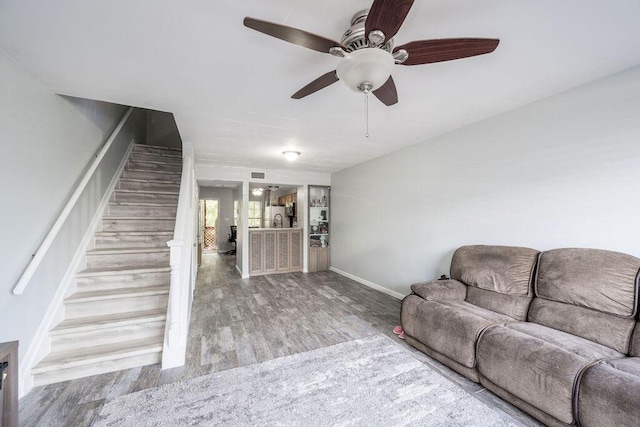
x=370 y=381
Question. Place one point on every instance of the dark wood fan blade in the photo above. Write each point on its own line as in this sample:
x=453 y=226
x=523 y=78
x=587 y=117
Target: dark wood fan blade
x=292 y=35
x=387 y=16
x=320 y=83
x=387 y=93
x=428 y=51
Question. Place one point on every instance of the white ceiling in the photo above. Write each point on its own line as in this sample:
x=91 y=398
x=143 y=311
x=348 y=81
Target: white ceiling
x=229 y=87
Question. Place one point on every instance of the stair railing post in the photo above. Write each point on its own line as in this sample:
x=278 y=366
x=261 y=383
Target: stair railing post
x=175 y=261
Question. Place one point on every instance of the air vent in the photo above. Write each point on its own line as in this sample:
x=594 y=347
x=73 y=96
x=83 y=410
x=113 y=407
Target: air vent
x=257 y=175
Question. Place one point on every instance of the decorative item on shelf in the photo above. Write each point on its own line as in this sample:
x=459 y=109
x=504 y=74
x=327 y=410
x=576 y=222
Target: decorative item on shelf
x=323 y=214
x=324 y=228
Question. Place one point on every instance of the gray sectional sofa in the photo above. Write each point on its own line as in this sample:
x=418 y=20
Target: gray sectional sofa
x=555 y=333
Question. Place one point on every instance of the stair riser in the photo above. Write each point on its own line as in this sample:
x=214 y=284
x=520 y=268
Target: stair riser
x=138 y=148
x=149 y=186
x=79 y=340
x=153 y=157
x=153 y=166
x=142 y=210
x=122 y=281
x=138 y=225
x=135 y=241
x=113 y=306
x=97 y=368
x=127 y=259
x=126 y=196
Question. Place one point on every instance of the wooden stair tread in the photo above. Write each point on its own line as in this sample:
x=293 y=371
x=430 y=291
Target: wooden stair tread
x=117 y=271
x=159 y=148
x=111 y=294
x=144 y=203
x=153 y=171
x=127 y=250
x=109 y=320
x=158 y=161
x=144 y=218
x=96 y=354
x=153 y=181
x=126 y=190
x=133 y=233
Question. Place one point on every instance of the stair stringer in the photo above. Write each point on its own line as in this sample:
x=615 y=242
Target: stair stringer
x=88 y=298
x=41 y=345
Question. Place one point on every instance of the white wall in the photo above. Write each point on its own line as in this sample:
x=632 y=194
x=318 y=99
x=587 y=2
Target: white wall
x=225 y=213
x=211 y=172
x=561 y=172
x=47 y=142
x=162 y=130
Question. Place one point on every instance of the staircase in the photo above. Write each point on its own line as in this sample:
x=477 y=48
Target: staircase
x=116 y=318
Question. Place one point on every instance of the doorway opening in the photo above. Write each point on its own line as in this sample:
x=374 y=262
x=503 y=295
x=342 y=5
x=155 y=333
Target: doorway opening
x=209 y=224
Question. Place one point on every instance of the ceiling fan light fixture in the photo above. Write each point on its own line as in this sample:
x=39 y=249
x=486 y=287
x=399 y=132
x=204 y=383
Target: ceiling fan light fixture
x=257 y=191
x=367 y=68
x=291 y=155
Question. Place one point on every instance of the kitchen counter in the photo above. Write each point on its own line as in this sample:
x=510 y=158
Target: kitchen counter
x=274 y=228
x=274 y=250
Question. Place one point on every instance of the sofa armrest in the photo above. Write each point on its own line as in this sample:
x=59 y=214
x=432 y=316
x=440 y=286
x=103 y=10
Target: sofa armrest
x=441 y=290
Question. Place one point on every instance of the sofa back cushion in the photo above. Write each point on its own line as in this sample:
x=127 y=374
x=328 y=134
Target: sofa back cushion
x=601 y=280
x=591 y=293
x=499 y=277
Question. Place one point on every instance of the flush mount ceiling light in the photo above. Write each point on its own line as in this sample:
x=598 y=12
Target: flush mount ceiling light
x=257 y=191
x=291 y=155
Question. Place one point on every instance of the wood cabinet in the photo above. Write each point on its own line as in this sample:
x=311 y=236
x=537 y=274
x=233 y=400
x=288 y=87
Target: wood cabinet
x=9 y=394
x=275 y=251
x=288 y=199
x=318 y=259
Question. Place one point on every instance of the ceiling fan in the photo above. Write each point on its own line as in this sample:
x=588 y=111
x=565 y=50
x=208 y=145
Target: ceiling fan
x=368 y=52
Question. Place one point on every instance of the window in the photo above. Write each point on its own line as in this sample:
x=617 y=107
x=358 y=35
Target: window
x=255 y=213
x=236 y=211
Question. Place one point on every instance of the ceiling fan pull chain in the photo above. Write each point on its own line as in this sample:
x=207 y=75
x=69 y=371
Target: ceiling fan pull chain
x=366 y=112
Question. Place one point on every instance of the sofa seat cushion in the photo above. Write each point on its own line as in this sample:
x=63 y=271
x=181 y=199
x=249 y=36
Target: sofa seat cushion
x=538 y=364
x=451 y=328
x=608 y=394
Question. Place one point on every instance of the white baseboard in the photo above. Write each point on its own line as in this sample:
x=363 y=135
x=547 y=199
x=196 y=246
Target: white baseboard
x=41 y=344
x=368 y=283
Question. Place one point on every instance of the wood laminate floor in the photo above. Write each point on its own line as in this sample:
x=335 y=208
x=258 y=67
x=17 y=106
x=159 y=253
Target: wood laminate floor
x=236 y=322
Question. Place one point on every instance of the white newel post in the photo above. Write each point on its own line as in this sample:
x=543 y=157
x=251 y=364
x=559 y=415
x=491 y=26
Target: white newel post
x=175 y=260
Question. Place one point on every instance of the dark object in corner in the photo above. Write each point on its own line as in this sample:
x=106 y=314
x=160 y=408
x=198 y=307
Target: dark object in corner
x=443 y=277
x=3 y=366
x=232 y=239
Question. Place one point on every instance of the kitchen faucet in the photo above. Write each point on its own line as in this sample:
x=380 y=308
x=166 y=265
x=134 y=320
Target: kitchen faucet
x=275 y=220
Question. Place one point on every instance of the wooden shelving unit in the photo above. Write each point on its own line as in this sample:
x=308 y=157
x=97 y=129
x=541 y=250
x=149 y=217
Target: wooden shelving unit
x=319 y=228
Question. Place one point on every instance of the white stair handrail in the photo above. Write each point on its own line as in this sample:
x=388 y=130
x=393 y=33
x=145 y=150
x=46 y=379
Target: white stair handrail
x=53 y=232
